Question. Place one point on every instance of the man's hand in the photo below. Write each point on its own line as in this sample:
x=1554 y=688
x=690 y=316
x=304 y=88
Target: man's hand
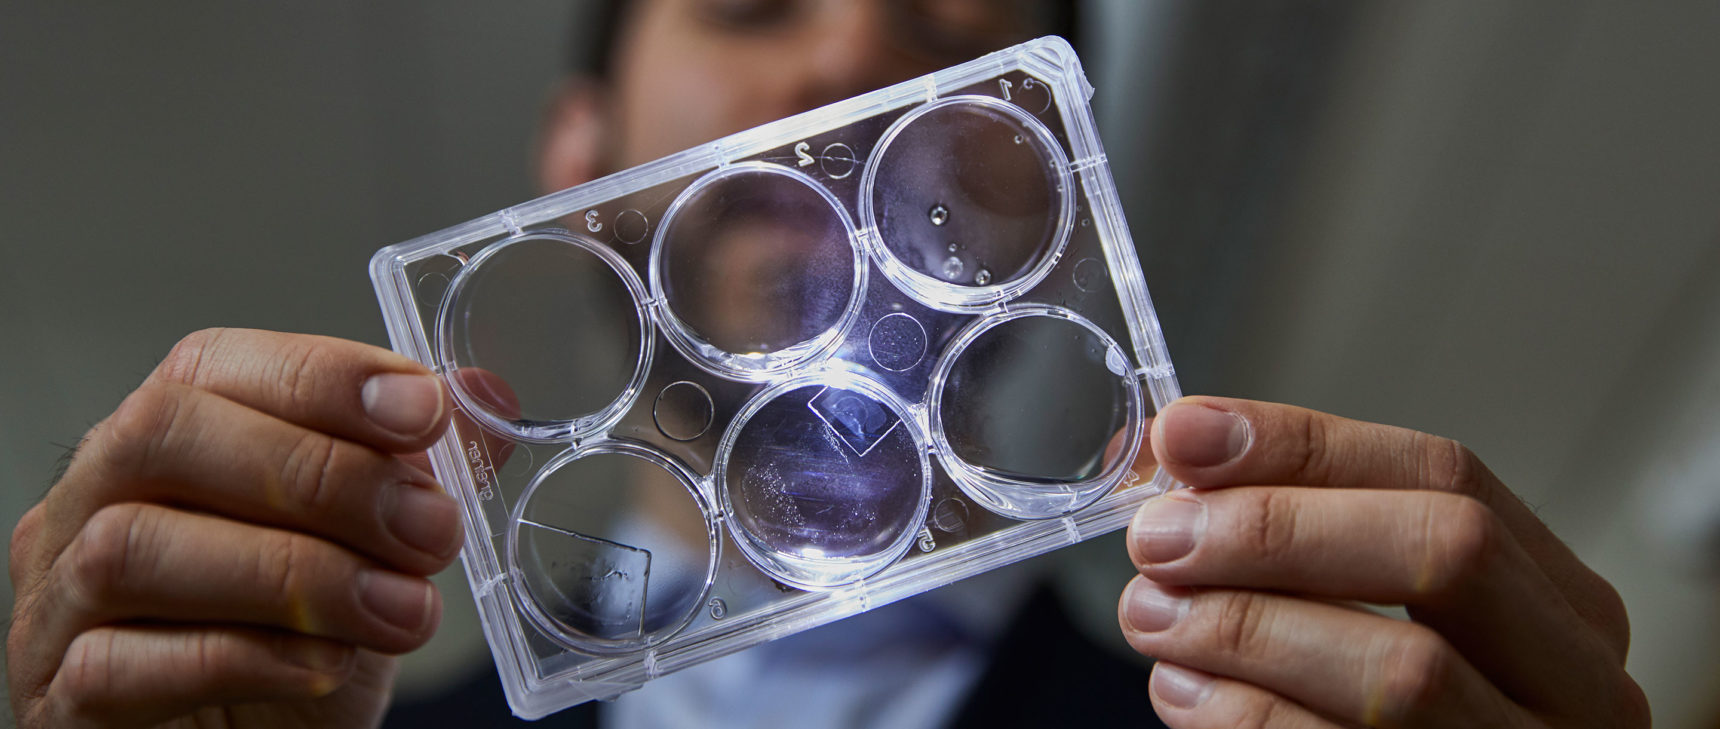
x=1250 y=582
x=237 y=544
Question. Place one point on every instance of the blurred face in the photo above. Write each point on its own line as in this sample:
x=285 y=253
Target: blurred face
x=686 y=72
x=690 y=71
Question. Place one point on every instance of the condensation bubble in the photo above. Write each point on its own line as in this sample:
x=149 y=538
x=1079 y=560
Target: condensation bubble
x=952 y=267
x=982 y=277
x=940 y=214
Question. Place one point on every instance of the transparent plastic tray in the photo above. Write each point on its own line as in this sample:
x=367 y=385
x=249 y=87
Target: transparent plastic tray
x=787 y=377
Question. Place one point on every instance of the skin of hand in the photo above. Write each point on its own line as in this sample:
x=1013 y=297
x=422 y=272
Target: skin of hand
x=242 y=542
x=1251 y=583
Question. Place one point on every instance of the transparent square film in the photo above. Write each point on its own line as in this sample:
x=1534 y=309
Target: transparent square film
x=789 y=376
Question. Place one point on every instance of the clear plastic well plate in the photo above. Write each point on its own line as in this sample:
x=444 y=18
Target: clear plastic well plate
x=788 y=376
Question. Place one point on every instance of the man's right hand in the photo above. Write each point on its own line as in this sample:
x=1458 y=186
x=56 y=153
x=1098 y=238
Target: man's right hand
x=239 y=543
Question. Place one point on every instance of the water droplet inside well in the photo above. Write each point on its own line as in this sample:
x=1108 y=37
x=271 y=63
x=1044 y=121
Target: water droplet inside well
x=939 y=214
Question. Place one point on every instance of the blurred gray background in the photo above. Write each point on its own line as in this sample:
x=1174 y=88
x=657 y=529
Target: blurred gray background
x=1493 y=221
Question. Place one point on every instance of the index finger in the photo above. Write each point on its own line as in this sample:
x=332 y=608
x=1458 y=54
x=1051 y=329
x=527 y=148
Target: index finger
x=346 y=389
x=1211 y=442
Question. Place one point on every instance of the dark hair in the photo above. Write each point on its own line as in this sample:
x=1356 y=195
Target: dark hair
x=596 y=31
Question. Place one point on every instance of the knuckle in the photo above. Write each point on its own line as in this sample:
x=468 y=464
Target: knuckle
x=22 y=548
x=1415 y=677
x=1602 y=607
x=1464 y=537
x=102 y=558
x=308 y=471
x=1269 y=527
x=283 y=562
x=1316 y=449
x=1611 y=616
x=184 y=362
x=298 y=373
x=1263 y=711
x=208 y=654
x=1312 y=454
x=87 y=673
x=28 y=678
x=1449 y=466
x=1634 y=710
x=1239 y=622
x=137 y=435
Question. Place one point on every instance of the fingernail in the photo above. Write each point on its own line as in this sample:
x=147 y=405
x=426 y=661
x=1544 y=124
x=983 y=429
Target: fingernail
x=397 y=599
x=1198 y=435
x=1180 y=687
x=1150 y=609
x=423 y=519
x=406 y=405
x=317 y=655
x=1167 y=527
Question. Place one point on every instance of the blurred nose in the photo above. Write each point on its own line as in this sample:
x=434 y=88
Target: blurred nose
x=851 y=50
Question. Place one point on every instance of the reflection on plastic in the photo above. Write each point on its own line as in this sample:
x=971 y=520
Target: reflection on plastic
x=858 y=420
x=600 y=585
x=1035 y=399
x=755 y=260
x=831 y=481
x=825 y=483
x=614 y=546
x=1026 y=406
x=587 y=346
